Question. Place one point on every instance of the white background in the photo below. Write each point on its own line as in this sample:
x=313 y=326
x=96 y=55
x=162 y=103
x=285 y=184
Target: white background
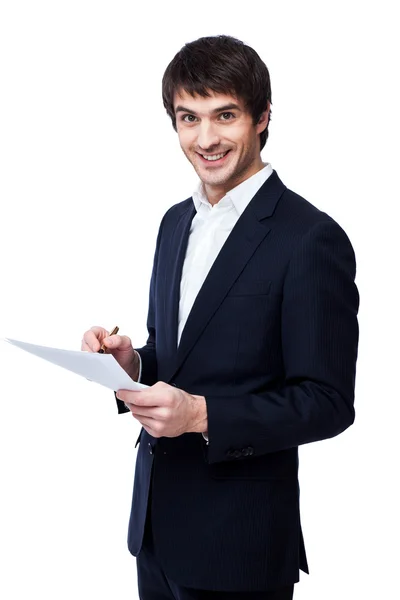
x=89 y=164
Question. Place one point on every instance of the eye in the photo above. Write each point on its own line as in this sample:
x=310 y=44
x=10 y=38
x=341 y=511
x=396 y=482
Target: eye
x=189 y=118
x=227 y=116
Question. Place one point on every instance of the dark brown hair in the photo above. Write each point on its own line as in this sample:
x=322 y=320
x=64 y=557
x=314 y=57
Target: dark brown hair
x=224 y=65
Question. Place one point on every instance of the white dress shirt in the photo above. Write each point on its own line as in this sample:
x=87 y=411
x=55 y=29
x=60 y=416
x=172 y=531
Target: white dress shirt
x=209 y=231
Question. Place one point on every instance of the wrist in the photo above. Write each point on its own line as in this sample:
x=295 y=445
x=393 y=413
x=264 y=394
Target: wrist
x=200 y=420
x=135 y=368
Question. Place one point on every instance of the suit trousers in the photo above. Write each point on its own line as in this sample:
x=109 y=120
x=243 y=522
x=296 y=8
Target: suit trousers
x=153 y=583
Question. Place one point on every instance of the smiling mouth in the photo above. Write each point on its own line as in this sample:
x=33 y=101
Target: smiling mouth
x=213 y=158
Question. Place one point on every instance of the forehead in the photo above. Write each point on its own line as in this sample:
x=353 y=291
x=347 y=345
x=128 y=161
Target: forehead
x=205 y=104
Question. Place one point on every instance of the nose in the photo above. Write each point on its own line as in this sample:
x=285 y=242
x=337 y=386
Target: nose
x=207 y=136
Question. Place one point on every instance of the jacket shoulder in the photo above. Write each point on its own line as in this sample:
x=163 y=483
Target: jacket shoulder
x=300 y=215
x=298 y=219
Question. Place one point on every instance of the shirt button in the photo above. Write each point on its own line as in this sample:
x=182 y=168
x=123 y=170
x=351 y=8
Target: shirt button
x=150 y=448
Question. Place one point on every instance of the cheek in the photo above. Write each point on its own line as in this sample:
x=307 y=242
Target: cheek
x=239 y=136
x=186 y=138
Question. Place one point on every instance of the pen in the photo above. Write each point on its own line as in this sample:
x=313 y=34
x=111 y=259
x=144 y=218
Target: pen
x=102 y=347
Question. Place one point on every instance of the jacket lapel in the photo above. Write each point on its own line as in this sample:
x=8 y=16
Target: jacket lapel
x=241 y=244
x=177 y=252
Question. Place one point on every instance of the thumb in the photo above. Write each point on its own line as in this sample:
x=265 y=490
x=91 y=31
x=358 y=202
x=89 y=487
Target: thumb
x=117 y=342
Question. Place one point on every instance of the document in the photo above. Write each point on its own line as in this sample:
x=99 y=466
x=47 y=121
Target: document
x=100 y=368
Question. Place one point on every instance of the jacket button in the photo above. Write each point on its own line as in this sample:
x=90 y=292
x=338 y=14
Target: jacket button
x=248 y=451
x=150 y=448
x=234 y=453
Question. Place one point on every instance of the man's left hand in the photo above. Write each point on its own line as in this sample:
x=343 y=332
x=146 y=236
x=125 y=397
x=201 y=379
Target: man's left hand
x=166 y=411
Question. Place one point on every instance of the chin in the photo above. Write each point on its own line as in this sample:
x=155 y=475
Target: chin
x=221 y=179
x=221 y=182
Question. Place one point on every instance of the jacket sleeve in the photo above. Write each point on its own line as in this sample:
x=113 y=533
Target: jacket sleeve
x=319 y=332
x=148 y=353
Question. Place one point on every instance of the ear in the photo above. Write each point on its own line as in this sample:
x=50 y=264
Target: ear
x=263 y=120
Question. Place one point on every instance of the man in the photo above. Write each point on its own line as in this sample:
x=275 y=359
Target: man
x=251 y=351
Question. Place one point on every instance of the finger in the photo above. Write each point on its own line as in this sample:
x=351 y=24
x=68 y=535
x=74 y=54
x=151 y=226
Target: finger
x=92 y=339
x=85 y=346
x=128 y=396
x=144 y=418
x=157 y=413
x=143 y=413
x=140 y=398
x=150 y=425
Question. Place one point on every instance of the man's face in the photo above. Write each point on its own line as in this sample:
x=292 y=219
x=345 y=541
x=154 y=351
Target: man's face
x=219 y=138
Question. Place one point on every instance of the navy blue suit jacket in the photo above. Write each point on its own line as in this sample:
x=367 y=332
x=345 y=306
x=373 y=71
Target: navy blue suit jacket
x=271 y=342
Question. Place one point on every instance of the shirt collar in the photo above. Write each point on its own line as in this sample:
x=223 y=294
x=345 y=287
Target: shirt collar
x=241 y=195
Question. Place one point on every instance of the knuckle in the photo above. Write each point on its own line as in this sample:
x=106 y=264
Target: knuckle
x=165 y=413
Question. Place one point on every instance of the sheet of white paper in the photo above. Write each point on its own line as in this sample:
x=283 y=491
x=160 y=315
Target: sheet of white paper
x=100 y=368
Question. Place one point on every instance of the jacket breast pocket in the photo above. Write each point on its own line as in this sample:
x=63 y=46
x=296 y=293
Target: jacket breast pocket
x=250 y=287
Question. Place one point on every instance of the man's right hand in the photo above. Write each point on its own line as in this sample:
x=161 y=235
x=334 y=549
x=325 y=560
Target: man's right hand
x=120 y=346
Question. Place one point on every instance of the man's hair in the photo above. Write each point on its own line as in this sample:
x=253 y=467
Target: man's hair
x=224 y=65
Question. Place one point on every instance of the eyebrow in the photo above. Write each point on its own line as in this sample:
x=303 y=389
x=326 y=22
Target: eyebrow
x=224 y=108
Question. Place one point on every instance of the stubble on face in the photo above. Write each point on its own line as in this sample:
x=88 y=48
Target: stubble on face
x=202 y=130
x=239 y=163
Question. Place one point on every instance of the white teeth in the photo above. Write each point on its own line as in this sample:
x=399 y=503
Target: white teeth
x=215 y=156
